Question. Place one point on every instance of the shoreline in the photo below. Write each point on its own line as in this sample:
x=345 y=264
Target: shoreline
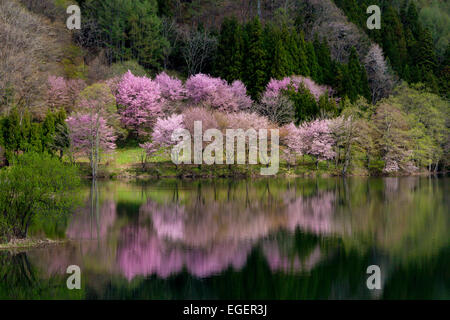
x=28 y=243
x=165 y=170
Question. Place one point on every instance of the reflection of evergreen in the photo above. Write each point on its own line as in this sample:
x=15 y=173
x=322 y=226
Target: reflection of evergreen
x=419 y=280
x=19 y=279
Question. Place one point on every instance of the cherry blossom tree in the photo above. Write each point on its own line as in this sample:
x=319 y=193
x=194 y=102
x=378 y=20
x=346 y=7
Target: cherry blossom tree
x=92 y=128
x=293 y=142
x=171 y=88
x=172 y=91
x=313 y=138
x=90 y=135
x=141 y=102
x=63 y=92
x=213 y=92
x=162 y=133
x=318 y=140
x=274 y=87
x=207 y=117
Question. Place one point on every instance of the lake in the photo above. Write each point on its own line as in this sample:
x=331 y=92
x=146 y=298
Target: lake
x=243 y=239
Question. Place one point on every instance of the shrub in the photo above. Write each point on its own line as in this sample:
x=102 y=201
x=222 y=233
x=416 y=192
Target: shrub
x=36 y=184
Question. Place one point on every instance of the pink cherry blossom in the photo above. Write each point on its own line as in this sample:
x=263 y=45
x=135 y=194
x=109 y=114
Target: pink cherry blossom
x=141 y=100
x=274 y=87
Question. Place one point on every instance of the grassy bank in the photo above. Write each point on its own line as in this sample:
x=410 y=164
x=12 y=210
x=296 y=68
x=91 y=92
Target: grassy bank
x=128 y=163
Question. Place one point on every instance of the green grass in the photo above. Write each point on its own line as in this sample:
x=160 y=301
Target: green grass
x=126 y=156
x=126 y=160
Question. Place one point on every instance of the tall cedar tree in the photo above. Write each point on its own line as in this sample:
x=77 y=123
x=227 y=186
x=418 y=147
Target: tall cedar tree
x=254 y=66
x=228 y=64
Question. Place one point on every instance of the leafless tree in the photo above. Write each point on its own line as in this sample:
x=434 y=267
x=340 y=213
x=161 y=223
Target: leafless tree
x=171 y=32
x=324 y=18
x=47 y=8
x=278 y=109
x=198 y=49
x=26 y=49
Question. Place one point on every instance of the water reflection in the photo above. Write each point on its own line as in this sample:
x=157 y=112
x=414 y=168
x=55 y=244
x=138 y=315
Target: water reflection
x=215 y=229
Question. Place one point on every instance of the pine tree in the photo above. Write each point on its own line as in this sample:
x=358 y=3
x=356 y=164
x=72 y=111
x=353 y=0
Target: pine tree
x=48 y=130
x=305 y=104
x=302 y=59
x=314 y=70
x=394 y=43
x=323 y=54
x=412 y=19
x=292 y=50
x=356 y=79
x=254 y=72
x=130 y=29
x=228 y=62
x=424 y=52
x=280 y=64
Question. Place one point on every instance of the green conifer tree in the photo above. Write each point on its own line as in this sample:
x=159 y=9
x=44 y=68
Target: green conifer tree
x=228 y=62
x=254 y=72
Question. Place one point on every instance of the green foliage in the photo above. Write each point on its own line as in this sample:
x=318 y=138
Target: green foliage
x=327 y=106
x=73 y=63
x=20 y=133
x=36 y=184
x=131 y=29
x=230 y=51
x=121 y=67
x=256 y=55
x=254 y=76
x=280 y=65
x=355 y=79
x=428 y=115
x=413 y=39
x=305 y=104
x=313 y=66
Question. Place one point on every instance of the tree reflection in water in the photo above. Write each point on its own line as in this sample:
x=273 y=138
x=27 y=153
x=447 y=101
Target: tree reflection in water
x=296 y=228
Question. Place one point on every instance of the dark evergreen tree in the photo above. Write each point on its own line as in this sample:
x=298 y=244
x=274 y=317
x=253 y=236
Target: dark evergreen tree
x=424 y=53
x=302 y=59
x=305 y=104
x=228 y=61
x=323 y=54
x=254 y=67
x=314 y=69
x=280 y=64
x=130 y=29
x=394 y=43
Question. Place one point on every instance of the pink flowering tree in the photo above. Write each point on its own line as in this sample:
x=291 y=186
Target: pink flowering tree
x=171 y=88
x=141 y=103
x=313 y=138
x=318 y=140
x=275 y=87
x=162 y=134
x=90 y=135
x=92 y=128
x=216 y=93
x=63 y=92
x=172 y=91
x=292 y=139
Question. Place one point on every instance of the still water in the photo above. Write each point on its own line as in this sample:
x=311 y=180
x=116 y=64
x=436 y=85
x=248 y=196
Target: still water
x=247 y=239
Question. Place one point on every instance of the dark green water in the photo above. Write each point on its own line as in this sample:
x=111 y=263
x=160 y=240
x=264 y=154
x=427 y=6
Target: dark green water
x=256 y=239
